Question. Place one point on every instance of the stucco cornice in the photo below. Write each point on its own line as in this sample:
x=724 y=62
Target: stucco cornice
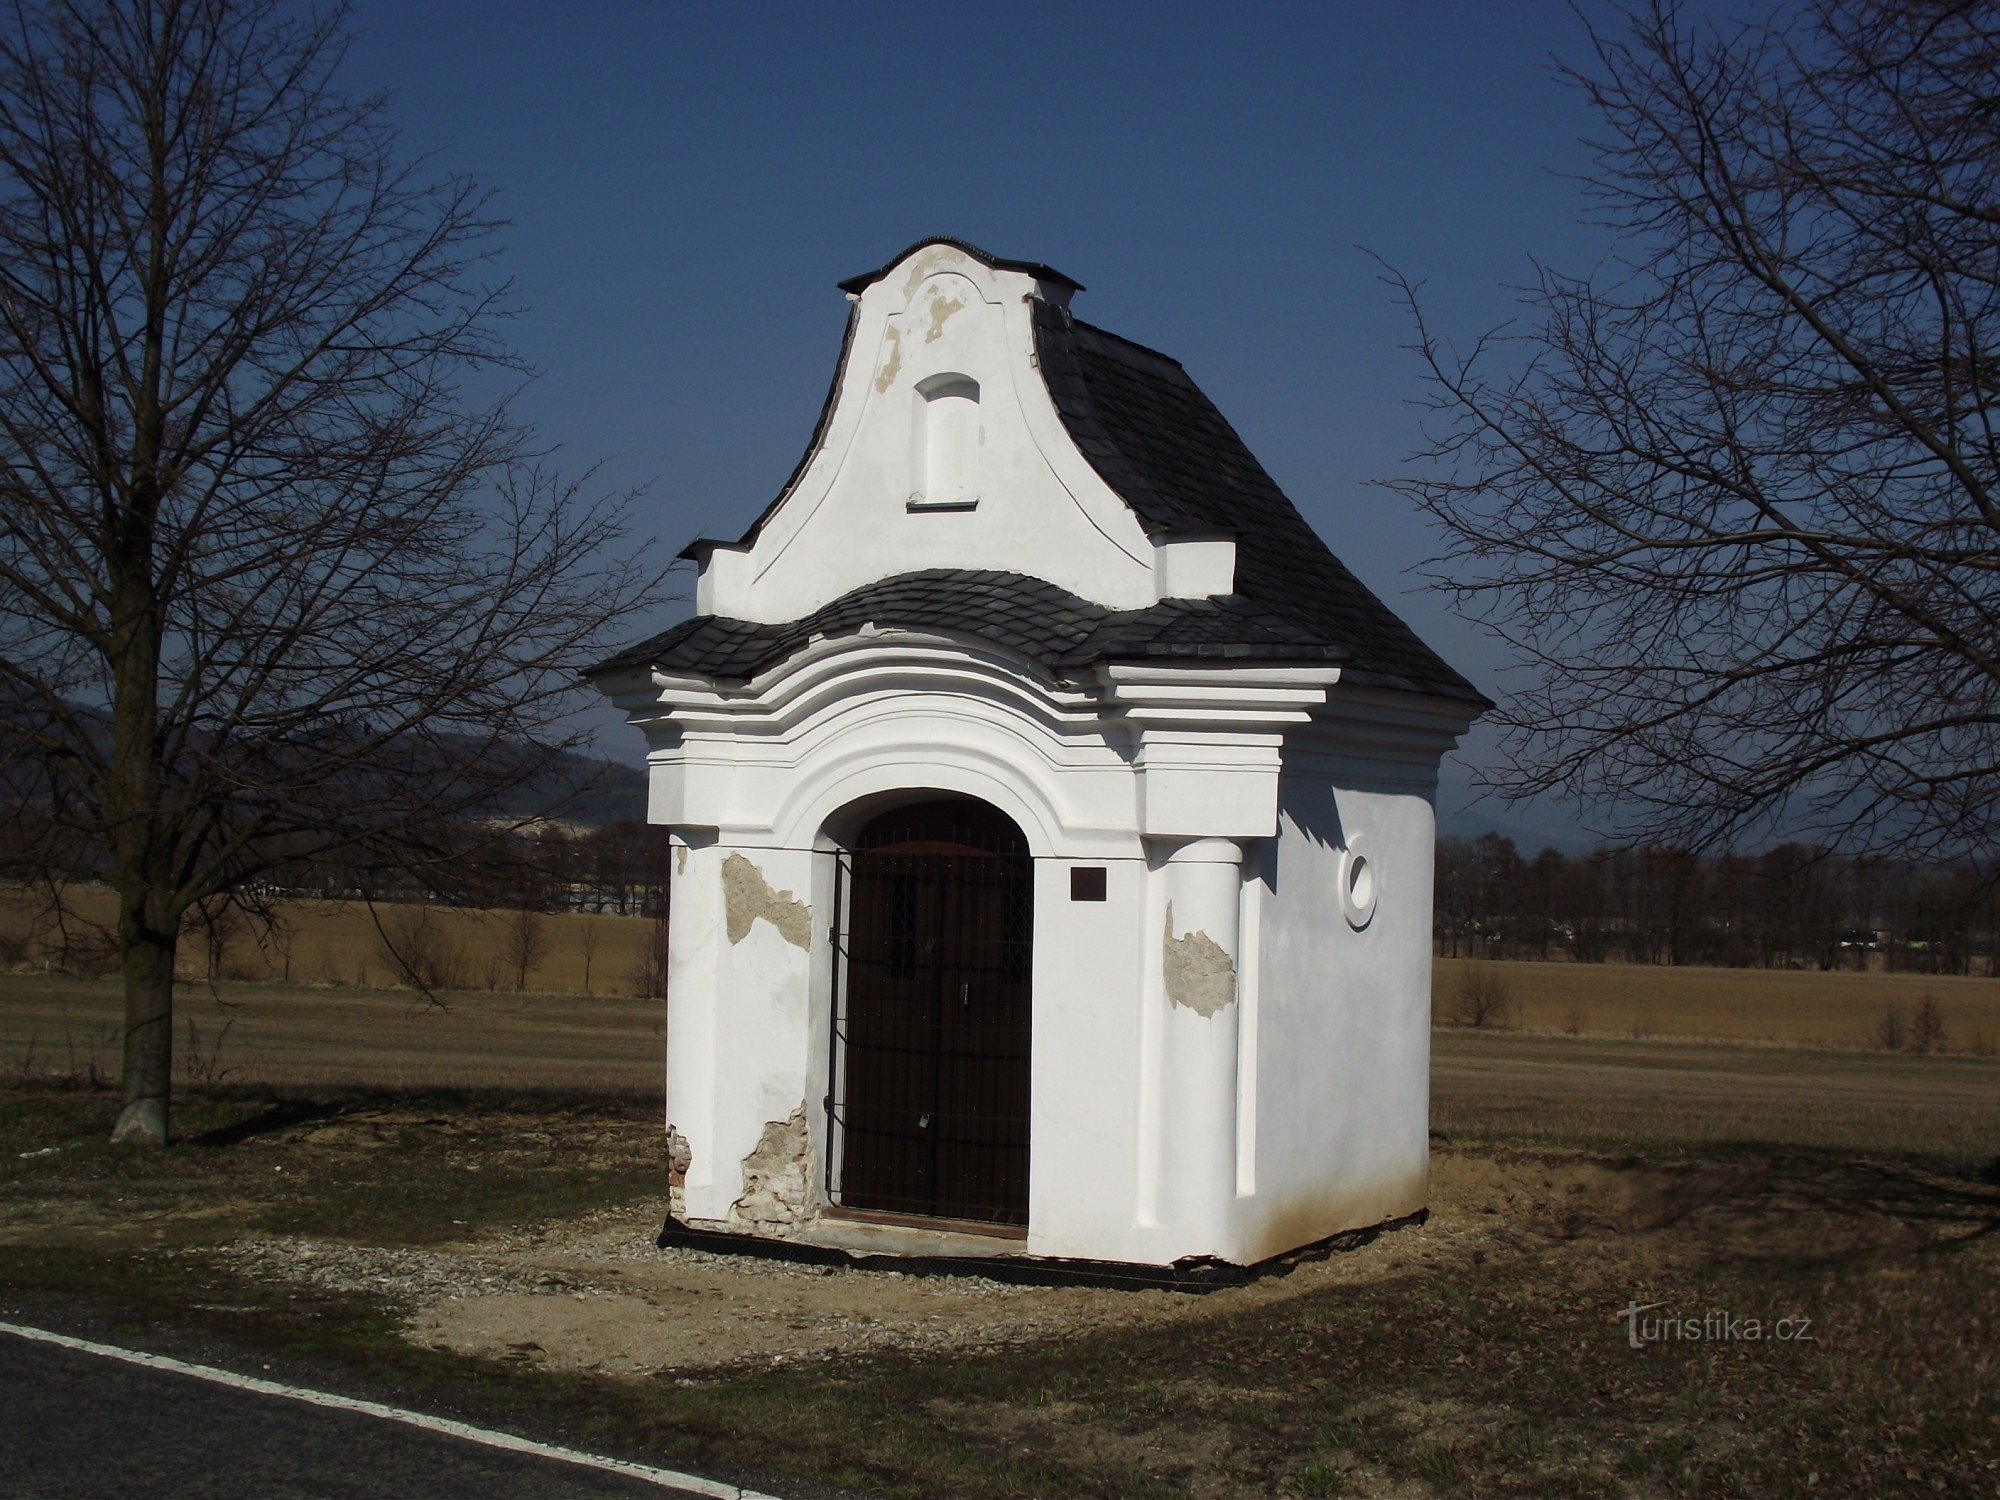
x=1135 y=750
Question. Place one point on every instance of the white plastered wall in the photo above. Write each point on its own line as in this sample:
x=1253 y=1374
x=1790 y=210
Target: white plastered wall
x=738 y=1010
x=1342 y=1024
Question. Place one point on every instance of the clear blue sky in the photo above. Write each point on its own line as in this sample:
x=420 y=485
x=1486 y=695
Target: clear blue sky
x=686 y=184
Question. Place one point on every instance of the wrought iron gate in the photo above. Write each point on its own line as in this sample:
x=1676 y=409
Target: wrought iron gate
x=928 y=1079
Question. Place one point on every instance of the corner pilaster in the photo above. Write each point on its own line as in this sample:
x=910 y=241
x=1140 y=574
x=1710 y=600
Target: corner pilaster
x=1199 y=953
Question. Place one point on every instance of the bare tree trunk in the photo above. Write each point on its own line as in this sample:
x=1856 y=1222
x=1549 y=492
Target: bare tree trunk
x=148 y=953
x=526 y=943
x=148 y=929
x=148 y=926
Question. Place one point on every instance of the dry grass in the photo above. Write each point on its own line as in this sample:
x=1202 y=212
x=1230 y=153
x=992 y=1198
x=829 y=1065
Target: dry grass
x=1549 y=1087
x=338 y=943
x=1479 y=1354
x=1649 y=1096
x=293 y=1037
x=1804 y=1008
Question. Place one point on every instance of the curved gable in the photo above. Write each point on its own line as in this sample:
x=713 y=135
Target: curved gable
x=975 y=430
x=938 y=448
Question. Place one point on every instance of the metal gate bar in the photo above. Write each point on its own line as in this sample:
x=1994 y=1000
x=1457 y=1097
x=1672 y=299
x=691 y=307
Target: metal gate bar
x=928 y=1077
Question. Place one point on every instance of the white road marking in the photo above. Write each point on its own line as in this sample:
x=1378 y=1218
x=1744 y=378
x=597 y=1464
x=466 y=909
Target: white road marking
x=693 y=1483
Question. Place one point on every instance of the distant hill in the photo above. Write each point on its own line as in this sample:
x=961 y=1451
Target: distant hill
x=593 y=790
x=596 y=791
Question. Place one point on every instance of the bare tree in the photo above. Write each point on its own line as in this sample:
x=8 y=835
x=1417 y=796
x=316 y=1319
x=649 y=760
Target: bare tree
x=1927 y=1028
x=272 y=587
x=1483 y=998
x=650 y=965
x=588 y=936
x=420 y=948
x=1736 y=497
x=220 y=921
x=525 y=942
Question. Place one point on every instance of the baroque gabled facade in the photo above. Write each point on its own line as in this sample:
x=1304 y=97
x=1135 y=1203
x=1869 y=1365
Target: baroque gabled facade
x=1052 y=817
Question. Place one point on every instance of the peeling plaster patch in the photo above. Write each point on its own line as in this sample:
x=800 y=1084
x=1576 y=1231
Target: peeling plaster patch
x=941 y=311
x=775 y=1192
x=680 y=1156
x=1200 y=975
x=747 y=895
x=935 y=258
x=894 y=339
x=681 y=860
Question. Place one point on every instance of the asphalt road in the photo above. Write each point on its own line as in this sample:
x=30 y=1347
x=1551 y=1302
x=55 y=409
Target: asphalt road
x=75 y=1424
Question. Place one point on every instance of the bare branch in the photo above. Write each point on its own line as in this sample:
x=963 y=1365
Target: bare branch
x=1735 y=502
x=272 y=593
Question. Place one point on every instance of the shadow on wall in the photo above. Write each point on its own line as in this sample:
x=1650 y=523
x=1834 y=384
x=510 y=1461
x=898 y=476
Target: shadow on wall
x=1309 y=805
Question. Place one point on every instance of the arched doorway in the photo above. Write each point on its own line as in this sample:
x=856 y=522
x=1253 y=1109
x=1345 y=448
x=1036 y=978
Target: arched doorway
x=930 y=1066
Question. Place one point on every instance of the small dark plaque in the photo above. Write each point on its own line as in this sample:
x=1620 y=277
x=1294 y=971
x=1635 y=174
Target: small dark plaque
x=1086 y=883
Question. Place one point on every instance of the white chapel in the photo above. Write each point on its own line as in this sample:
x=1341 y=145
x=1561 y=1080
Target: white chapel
x=1051 y=818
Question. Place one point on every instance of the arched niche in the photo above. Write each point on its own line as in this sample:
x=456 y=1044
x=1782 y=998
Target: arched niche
x=944 y=445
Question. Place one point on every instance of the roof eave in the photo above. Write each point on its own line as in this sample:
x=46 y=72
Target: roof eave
x=854 y=286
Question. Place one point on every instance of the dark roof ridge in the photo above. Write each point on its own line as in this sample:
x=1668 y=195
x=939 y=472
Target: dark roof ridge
x=1096 y=437
x=855 y=285
x=1032 y=618
x=1119 y=338
x=1158 y=442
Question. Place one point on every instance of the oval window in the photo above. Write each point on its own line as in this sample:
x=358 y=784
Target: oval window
x=1360 y=883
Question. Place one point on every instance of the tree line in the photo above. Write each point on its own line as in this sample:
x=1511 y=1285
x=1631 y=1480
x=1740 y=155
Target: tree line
x=525 y=873
x=1794 y=906
x=616 y=870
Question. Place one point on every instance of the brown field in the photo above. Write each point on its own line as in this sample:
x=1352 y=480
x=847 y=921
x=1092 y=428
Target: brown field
x=339 y=943
x=1626 y=1070
x=298 y=1037
x=1484 y=1085
x=1802 y=1007
x=1655 y=1096
x=336 y=945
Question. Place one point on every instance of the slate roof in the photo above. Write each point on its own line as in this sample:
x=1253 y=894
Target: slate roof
x=1028 y=616
x=1161 y=445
